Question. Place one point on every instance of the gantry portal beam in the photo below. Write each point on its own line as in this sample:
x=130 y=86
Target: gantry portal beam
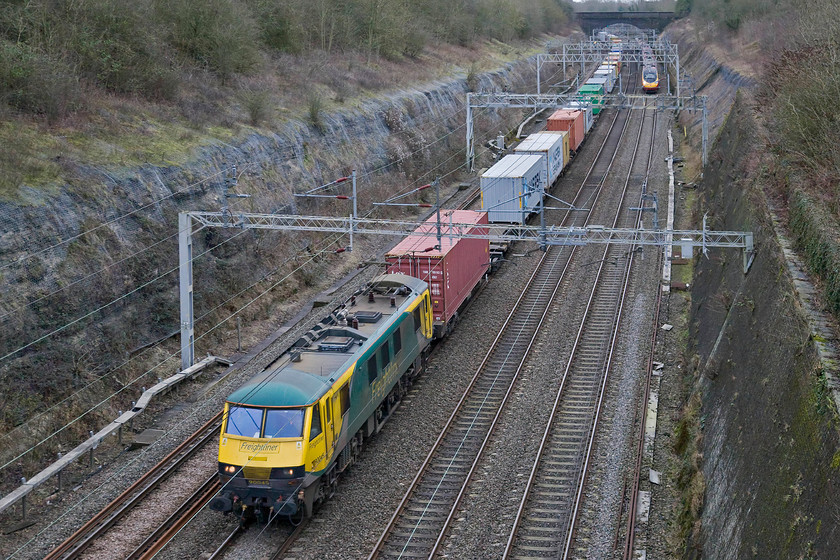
x=500 y=233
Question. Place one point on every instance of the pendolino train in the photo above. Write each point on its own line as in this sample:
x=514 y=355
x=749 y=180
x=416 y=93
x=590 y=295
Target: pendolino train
x=291 y=431
x=650 y=79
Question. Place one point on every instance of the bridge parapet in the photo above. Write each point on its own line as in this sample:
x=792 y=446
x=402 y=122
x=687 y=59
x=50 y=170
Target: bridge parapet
x=646 y=20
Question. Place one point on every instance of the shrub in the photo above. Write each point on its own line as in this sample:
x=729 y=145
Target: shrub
x=35 y=83
x=315 y=108
x=258 y=105
x=280 y=26
x=216 y=33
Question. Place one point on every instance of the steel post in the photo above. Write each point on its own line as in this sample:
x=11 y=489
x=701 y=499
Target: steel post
x=437 y=207
x=564 y=61
x=355 y=210
x=539 y=63
x=185 y=256
x=676 y=51
x=705 y=131
x=470 y=140
x=543 y=244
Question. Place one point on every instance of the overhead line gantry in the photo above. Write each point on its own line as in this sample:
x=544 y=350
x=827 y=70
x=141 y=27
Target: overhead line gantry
x=502 y=233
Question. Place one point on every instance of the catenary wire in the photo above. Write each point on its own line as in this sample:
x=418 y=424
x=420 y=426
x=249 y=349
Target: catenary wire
x=267 y=290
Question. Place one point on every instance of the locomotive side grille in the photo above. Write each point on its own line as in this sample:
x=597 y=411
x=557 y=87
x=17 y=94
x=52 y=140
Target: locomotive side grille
x=257 y=473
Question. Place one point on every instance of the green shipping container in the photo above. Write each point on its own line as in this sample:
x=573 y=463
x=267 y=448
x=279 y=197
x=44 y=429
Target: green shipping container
x=593 y=94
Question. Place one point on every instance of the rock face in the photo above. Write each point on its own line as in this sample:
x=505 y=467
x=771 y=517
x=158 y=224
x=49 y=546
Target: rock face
x=770 y=442
x=96 y=246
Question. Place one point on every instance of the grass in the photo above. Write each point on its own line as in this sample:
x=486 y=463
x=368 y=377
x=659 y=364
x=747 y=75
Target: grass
x=28 y=157
x=42 y=159
x=117 y=132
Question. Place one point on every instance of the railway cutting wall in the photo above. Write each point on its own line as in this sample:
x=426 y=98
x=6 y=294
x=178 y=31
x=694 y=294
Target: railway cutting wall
x=760 y=465
x=130 y=215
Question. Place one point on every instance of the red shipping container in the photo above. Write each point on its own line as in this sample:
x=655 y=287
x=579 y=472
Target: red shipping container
x=453 y=270
x=571 y=121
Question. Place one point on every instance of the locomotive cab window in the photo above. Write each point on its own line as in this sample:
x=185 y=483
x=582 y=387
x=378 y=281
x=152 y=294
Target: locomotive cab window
x=244 y=421
x=371 y=368
x=416 y=314
x=315 y=431
x=284 y=423
x=344 y=393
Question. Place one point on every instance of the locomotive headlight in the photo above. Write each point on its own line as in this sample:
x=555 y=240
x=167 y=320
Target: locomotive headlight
x=230 y=469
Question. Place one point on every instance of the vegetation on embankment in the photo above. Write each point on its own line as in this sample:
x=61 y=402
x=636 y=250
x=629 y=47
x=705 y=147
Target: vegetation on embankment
x=792 y=49
x=120 y=83
x=760 y=426
x=88 y=253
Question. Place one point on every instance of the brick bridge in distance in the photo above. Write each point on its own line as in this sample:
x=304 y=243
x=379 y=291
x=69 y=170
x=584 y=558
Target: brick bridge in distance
x=643 y=20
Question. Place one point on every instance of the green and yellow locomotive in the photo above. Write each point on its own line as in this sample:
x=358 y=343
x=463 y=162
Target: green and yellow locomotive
x=290 y=431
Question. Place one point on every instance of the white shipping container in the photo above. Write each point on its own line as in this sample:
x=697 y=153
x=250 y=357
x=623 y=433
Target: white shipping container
x=607 y=76
x=586 y=108
x=598 y=81
x=607 y=68
x=549 y=146
x=513 y=188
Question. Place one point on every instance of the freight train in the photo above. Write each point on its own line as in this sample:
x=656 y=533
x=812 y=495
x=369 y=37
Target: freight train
x=290 y=431
x=512 y=189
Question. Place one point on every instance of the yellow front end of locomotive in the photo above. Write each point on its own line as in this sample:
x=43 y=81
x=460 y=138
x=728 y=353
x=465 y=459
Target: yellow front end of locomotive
x=257 y=452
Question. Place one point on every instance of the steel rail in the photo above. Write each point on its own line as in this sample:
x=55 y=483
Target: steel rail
x=637 y=470
x=227 y=543
x=141 y=550
x=284 y=547
x=74 y=545
x=591 y=315
x=637 y=467
x=290 y=540
x=630 y=537
x=379 y=548
x=608 y=366
x=182 y=516
x=413 y=487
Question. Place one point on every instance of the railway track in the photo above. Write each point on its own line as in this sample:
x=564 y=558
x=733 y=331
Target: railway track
x=633 y=501
x=233 y=539
x=419 y=524
x=545 y=523
x=165 y=532
x=98 y=525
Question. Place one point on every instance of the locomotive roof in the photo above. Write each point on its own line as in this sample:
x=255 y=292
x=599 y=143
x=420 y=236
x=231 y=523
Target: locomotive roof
x=299 y=383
